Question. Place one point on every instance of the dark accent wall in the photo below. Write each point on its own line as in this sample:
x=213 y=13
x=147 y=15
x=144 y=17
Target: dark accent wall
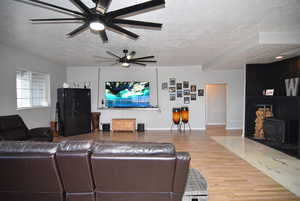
x=272 y=76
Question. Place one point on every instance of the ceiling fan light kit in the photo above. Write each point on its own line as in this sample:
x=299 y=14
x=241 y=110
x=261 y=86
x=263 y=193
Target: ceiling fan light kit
x=98 y=18
x=125 y=65
x=129 y=59
x=97 y=26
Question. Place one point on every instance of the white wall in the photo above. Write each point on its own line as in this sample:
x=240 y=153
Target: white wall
x=12 y=59
x=162 y=119
x=215 y=104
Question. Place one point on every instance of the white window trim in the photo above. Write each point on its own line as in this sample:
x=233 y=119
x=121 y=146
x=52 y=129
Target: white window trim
x=49 y=91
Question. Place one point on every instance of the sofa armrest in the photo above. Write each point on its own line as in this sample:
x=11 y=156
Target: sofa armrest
x=43 y=133
x=181 y=171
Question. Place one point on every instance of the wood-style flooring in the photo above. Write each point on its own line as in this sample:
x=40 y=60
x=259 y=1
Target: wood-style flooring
x=229 y=177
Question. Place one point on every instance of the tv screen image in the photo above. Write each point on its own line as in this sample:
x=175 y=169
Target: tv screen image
x=127 y=94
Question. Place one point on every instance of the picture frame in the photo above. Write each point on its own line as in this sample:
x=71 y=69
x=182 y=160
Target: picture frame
x=172 y=97
x=193 y=97
x=193 y=88
x=269 y=92
x=186 y=100
x=172 y=81
x=172 y=89
x=164 y=85
x=186 y=84
x=179 y=86
x=179 y=94
x=186 y=92
x=200 y=92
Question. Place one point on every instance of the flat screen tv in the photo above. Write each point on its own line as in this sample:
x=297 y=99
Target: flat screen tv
x=127 y=94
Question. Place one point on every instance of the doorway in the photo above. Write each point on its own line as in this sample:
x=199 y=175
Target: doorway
x=216 y=96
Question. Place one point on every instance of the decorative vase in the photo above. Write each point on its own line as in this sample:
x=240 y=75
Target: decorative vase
x=185 y=114
x=176 y=115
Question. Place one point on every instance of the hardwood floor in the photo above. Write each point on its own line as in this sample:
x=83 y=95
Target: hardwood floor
x=229 y=177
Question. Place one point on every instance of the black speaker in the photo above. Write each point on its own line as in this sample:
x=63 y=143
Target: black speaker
x=141 y=127
x=106 y=127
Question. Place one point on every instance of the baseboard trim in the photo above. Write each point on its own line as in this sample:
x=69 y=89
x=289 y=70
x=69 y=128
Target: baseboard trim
x=234 y=128
x=168 y=129
x=216 y=124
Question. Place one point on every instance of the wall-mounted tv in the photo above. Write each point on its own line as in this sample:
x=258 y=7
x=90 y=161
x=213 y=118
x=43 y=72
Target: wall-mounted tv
x=121 y=94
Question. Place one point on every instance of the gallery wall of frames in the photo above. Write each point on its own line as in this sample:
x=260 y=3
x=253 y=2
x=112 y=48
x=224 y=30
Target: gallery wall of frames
x=182 y=90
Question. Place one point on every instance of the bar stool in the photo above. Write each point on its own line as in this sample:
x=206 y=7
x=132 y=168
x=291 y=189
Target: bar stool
x=185 y=117
x=176 y=117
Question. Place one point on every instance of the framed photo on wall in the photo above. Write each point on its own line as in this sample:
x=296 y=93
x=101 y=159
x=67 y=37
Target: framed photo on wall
x=172 y=97
x=200 y=92
x=164 y=85
x=186 y=84
x=179 y=94
x=269 y=92
x=186 y=100
x=193 y=88
x=172 y=89
x=186 y=92
x=193 y=97
x=179 y=86
x=172 y=81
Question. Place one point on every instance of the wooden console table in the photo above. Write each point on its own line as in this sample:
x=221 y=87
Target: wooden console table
x=123 y=125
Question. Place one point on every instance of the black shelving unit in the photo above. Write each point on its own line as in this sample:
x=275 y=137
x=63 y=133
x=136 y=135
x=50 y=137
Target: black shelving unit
x=74 y=111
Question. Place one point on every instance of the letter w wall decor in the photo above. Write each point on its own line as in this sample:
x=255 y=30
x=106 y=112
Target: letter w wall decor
x=291 y=86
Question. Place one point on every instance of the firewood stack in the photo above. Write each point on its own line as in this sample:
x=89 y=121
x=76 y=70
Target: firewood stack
x=261 y=115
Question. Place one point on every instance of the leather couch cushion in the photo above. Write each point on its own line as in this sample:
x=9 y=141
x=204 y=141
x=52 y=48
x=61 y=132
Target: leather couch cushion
x=135 y=167
x=12 y=127
x=73 y=160
x=134 y=174
x=12 y=122
x=132 y=148
x=27 y=147
x=29 y=169
x=75 y=146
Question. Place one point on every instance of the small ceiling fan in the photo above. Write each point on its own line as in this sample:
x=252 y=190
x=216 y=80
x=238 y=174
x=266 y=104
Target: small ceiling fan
x=98 y=19
x=127 y=59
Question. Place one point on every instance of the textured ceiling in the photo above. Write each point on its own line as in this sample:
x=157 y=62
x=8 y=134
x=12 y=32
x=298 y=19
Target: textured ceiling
x=212 y=33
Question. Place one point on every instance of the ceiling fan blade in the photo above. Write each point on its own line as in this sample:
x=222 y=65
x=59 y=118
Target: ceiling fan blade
x=141 y=64
x=112 y=54
x=58 y=7
x=103 y=5
x=150 y=61
x=106 y=61
x=124 y=31
x=79 y=29
x=135 y=8
x=148 y=57
x=114 y=64
x=82 y=6
x=57 y=19
x=103 y=36
x=137 y=23
x=107 y=58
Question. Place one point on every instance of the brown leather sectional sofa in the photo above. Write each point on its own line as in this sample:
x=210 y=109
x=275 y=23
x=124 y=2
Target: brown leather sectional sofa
x=91 y=171
x=12 y=127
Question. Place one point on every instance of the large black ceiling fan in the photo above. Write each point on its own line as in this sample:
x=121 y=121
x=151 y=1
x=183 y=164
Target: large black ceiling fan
x=127 y=59
x=98 y=19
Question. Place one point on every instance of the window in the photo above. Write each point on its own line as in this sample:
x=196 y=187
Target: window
x=33 y=89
